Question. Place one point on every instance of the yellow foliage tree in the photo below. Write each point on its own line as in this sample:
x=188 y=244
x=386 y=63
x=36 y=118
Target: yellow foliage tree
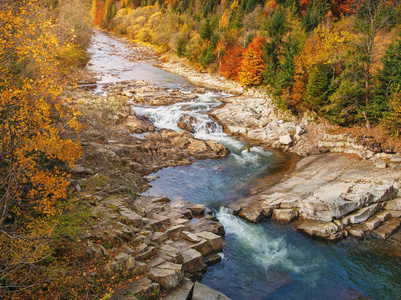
x=34 y=158
x=252 y=64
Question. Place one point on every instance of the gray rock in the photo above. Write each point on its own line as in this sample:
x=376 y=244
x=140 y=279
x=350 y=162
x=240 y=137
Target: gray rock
x=212 y=259
x=144 y=288
x=190 y=236
x=182 y=292
x=193 y=261
x=252 y=214
x=385 y=230
x=171 y=254
x=320 y=229
x=286 y=139
x=203 y=292
x=216 y=242
x=159 y=237
x=174 y=231
x=394 y=204
x=203 y=247
x=285 y=215
x=361 y=215
x=168 y=275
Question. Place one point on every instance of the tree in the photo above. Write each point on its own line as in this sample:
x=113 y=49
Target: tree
x=34 y=158
x=252 y=65
x=373 y=17
x=231 y=61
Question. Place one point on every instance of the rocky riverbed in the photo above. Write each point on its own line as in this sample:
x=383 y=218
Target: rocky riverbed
x=334 y=195
x=329 y=195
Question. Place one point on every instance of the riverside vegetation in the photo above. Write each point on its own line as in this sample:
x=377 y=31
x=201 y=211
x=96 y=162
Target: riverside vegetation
x=89 y=234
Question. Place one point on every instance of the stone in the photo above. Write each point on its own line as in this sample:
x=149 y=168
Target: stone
x=192 y=261
x=112 y=267
x=285 y=215
x=215 y=240
x=171 y=254
x=394 y=204
x=320 y=229
x=186 y=126
x=143 y=288
x=358 y=230
x=181 y=293
x=139 y=268
x=155 y=262
x=253 y=215
x=168 y=275
x=159 y=237
x=299 y=130
x=203 y=247
x=373 y=222
x=385 y=230
x=174 y=231
x=203 y=292
x=361 y=215
x=147 y=254
x=196 y=209
x=184 y=222
x=383 y=215
x=190 y=236
x=286 y=139
x=207 y=224
x=380 y=163
x=212 y=259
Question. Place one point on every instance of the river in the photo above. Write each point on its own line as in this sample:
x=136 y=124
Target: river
x=260 y=261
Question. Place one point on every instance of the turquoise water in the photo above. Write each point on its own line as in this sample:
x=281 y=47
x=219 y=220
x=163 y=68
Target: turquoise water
x=260 y=261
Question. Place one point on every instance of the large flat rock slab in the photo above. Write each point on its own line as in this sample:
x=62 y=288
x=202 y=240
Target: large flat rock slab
x=203 y=292
x=324 y=188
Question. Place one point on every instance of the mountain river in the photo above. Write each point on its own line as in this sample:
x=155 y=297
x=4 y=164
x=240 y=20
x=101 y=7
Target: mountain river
x=259 y=261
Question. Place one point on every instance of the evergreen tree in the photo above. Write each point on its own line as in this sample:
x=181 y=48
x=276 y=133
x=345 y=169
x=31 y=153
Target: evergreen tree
x=389 y=77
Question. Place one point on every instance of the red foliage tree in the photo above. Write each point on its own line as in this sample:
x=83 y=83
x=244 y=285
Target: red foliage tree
x=343 y=7
x=231 y=61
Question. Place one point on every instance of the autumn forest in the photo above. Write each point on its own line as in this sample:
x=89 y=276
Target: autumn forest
x=339 y=60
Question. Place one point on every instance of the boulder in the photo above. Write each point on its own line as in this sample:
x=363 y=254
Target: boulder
x=361 y=215
x=252 y=214
x=358 y=230
x=285 y=215
x=207 y=224
x=170 y=254
x=216 y=242
x=203 y=292
x=168 y=275
x=320 y=229
x=394 y=204
x=190 y=237
x=144 y=288
x=286 y=139
x=181 y=293
x=203 y=247
x=193 y=261
x=385 y=230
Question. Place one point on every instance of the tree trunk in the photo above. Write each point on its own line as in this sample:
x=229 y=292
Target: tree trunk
x=367 y=120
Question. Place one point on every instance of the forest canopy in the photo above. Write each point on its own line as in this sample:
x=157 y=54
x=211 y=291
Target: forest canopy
x=328 y=56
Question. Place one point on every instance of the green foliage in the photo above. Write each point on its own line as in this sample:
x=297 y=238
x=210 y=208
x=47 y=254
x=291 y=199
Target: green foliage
x=389 y=77
x=316 y=12
x=317 y=89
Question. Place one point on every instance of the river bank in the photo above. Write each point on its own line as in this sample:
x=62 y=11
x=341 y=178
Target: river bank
x=335 y=195
x=120 y=144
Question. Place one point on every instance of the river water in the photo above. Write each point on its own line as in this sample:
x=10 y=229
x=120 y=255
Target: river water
x=260 y=261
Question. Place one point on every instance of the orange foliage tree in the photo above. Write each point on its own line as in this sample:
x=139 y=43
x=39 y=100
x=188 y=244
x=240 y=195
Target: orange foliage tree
x=252 y=65
x=34 y=158
x=231 y=61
